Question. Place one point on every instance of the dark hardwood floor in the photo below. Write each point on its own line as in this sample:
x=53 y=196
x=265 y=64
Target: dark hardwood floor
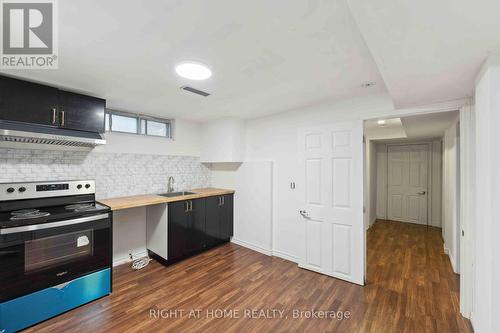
x=410 y=288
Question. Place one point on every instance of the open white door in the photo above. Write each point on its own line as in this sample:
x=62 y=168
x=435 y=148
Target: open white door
x=331 y=168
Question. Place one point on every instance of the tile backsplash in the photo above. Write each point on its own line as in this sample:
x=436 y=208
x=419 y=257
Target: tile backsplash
x=116 y=174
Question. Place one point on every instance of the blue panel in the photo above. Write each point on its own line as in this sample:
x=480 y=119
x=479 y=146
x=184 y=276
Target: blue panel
x=28 y=310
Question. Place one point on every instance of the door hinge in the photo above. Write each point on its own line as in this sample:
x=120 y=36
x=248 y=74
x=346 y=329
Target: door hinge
x=463 y=233
x=364 y=210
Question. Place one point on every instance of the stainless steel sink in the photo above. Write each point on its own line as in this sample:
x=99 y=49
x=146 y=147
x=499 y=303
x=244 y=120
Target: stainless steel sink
x=175 y=194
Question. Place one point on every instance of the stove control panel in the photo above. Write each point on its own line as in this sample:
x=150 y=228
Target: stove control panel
x=32 y=190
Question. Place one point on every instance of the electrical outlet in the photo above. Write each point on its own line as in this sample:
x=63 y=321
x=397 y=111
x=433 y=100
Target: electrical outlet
x=131 y=257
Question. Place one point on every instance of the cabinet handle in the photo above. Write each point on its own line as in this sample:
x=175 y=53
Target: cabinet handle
x=187 y=207
x=190 y=206
x=220 y=201
x=223 y=201
x=54 y=111
x=62 y=117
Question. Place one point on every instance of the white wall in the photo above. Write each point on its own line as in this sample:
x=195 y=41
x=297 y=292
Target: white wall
x=129 y=234
x=451 y=196
x=435 y=176
x=253 y=201
x=186 y=141
x=487 y=264
x=223 y=140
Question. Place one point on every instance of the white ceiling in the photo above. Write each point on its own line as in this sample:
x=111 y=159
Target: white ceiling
x=430 y=125
x=393 y=128
x=411 y=128
x=426 y=50
x=270 y=56
x=266 y=56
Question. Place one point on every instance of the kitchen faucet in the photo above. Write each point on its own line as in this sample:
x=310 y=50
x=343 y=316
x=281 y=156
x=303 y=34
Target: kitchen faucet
x=170 y=186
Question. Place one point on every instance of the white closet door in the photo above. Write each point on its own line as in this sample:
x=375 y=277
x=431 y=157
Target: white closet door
x=407 y=180
x=331 y=165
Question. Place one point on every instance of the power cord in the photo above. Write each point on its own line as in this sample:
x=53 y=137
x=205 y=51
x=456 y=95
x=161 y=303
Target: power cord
x=141 y=263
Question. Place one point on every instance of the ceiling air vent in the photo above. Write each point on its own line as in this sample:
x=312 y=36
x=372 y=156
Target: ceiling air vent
x=195 y=91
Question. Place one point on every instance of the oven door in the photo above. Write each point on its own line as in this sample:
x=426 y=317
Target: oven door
x=35 y=257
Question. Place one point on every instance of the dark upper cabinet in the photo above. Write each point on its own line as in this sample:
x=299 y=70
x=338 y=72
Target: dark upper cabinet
x=28 y=102
x=33 y=103
x=81 y=112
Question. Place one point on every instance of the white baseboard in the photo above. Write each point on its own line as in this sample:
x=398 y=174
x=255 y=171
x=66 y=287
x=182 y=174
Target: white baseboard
x=452 y=259
x=251 y=246
x=121 y=261
x=285 y=256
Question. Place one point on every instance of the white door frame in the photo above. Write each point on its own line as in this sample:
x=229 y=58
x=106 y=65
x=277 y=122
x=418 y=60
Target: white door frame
x=467 y=176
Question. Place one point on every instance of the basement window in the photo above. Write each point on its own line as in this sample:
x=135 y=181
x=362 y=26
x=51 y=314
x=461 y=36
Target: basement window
x=124 y=122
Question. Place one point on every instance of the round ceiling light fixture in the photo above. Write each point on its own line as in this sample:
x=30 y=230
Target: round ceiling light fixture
x=193 y=71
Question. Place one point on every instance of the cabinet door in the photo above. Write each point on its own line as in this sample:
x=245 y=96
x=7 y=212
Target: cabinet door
x=177 y=229
x=80 y=112
x=195 y=240
x=27 y=102
x=213 y=211
x=226 y=224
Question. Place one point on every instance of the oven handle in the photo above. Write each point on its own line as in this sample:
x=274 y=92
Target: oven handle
x=52 y=224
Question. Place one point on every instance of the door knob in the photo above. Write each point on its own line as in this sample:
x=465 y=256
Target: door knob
x=421 y=193
x=304 y=213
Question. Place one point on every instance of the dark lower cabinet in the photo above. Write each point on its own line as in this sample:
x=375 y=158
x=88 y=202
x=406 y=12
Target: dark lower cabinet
x=212 y=231
x=226 y=225
x=177 y=229
x=196 y=225
x=195 y=233
x=186 y=228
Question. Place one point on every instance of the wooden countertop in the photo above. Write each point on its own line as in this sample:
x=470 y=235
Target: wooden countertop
x=153 y=199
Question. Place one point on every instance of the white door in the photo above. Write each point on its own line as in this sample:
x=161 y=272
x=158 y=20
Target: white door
x=407 y=183
x=331 y=168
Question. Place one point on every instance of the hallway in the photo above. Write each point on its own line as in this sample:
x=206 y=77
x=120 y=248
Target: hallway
x=411 y=281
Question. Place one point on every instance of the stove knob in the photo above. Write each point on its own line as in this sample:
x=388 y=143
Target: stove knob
x=10 y=190
x=22 y=189
x=79 y=186
x=87 y=185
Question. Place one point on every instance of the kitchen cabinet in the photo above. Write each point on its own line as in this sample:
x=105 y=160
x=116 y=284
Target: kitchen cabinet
x=226 y=226
x=186 y=228
x=33 y=103
x=177 y=229
x=195 y=226
x=81 y=112
x=28 y=102
x=219 y=224
x=182 y=228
